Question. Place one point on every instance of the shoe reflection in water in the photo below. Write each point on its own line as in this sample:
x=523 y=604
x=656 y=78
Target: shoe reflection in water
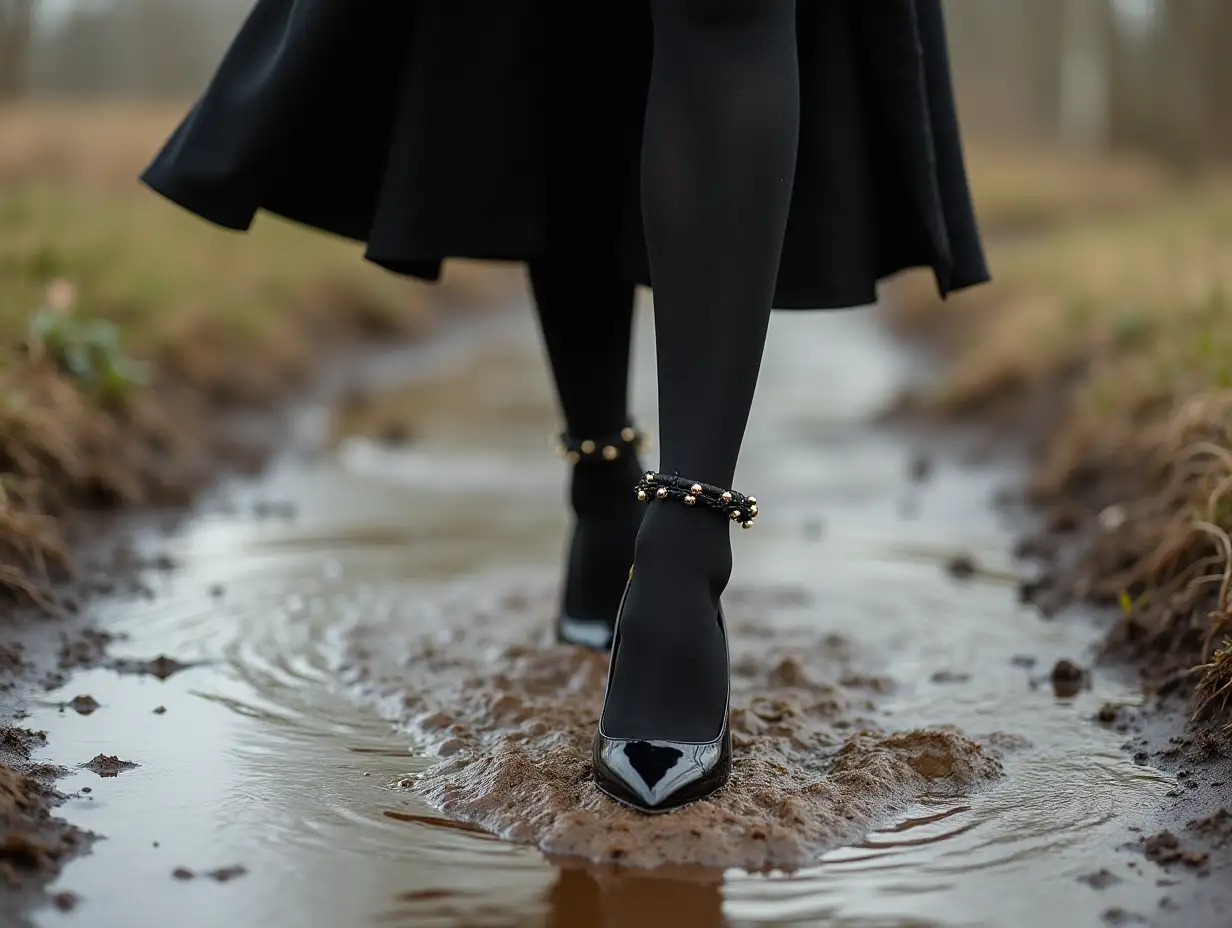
x=614 y=897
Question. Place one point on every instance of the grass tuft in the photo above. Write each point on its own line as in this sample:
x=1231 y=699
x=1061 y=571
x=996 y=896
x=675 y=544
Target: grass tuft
x=1123 y=318
x=127 y=324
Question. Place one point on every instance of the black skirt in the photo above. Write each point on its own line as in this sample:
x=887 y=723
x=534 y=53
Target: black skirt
x=431 y=129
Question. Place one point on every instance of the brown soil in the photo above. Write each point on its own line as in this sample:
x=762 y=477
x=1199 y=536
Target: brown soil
x=510 y=723
x=70 y=458
x=62 y=462
x=1128 y=500
x=64 y=452
x=33 y=843
x=1120 y=524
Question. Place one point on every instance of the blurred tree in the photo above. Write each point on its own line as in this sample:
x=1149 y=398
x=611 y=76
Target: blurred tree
x=1172 y=83
x=1007 y=62
x=1085 y=80
x=1147 y=75
x=130 y=48
x=16 y=33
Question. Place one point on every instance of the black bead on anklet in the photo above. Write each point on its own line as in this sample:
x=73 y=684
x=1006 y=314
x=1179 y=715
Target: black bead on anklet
x=576 y=450
x=739 y=508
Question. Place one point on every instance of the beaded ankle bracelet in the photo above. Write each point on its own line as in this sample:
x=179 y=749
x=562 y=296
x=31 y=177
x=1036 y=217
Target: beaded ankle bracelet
x=578 y=450
x=739 y=508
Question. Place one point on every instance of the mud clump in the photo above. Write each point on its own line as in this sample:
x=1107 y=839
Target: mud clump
x=1100 y=879
x=83 y=705
x=1216 y=828
x=950 y=677
x=1116 y=917
x=1068 y=679
x=13 y=663
x=162 y=667
x=33 y=844
x=962 y=567
x=1165 y=849
x=85 y=648
x=221 y=875
x=108 y=765
x=21 y=742
x=812 y=769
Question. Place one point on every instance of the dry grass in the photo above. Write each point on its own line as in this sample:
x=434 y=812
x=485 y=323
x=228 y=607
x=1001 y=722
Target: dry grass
x=1131 y=315
x=1023 y=189
x=216 y=317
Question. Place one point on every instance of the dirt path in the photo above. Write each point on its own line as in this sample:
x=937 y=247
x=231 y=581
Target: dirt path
x=358 y=645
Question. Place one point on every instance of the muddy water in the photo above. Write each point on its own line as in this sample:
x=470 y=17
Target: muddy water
x=379 y=734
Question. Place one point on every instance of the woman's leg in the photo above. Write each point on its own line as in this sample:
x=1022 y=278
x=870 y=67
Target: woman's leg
x=585 y=307
x=718 y=163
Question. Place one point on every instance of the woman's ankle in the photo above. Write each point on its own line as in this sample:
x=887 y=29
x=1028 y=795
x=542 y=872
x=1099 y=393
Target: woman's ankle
x=690 y=543
x=600 y=490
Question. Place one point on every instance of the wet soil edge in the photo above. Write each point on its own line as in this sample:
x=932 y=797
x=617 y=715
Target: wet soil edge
x=1191 y=844
x=42 y=642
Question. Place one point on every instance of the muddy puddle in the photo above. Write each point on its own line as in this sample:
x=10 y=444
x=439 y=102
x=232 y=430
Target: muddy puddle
x=371 y=727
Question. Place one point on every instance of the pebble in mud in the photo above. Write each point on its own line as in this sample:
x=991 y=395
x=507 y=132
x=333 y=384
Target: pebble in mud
x=83 y=705
x=812 y=769
x=961 y=567
x=1067 y=678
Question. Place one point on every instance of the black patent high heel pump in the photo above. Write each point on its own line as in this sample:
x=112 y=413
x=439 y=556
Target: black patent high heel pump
x=594 y=632
x=653 y=775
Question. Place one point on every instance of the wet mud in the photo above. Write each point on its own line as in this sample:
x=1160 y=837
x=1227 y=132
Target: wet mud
x=513 y=720
x=368 y=724
x=34 y=844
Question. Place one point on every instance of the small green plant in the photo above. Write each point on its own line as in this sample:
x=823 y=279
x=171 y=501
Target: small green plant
x=89 y=351
x=1132 y=328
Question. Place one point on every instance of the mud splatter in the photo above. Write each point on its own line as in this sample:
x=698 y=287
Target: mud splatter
x=512 y=719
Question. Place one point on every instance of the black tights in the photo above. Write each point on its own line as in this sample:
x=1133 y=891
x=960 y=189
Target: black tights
x=718 y=163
